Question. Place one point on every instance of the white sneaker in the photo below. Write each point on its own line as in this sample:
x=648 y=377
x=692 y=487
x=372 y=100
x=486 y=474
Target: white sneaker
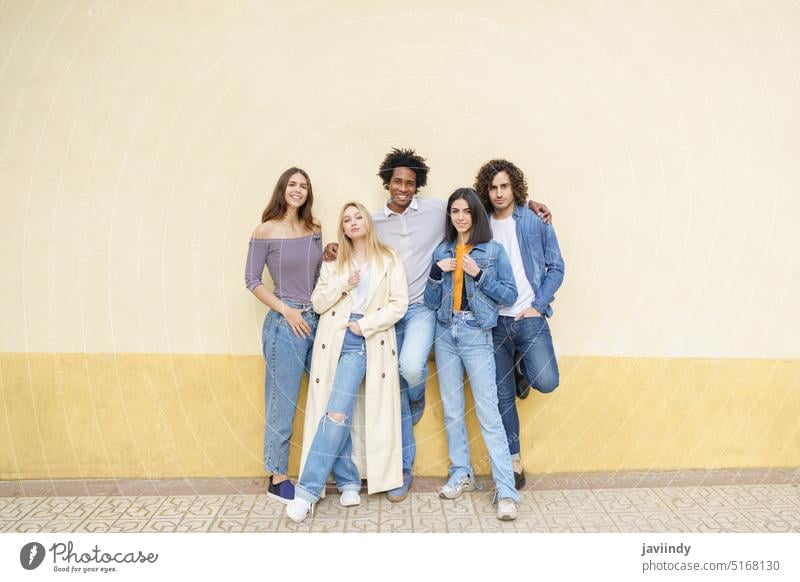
x=297 y=509
x=455 y=491
x=506 y=509
x=350 y=498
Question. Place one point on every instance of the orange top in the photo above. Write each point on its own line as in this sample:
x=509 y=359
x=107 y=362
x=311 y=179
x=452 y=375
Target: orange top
x=458 y=275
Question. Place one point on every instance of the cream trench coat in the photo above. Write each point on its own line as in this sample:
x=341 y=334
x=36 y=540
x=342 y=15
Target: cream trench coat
x=377 y=443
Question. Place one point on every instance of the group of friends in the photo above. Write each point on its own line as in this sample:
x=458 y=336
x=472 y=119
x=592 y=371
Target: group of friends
x=473 y=277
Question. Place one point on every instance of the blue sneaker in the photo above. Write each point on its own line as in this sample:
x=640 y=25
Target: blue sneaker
x=417 y=408
x=398 y=494
x=283 y=491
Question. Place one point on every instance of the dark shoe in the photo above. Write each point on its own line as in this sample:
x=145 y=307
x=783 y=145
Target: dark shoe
x=523 y=386
x=519 y=480
x=399 y=493
x=283 y=491
x=417 y=408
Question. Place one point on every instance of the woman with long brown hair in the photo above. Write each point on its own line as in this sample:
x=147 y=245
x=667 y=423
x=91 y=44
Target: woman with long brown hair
x=289 y=242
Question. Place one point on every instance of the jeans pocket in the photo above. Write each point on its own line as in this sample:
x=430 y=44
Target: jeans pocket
x=268 y=333
x=312 y=319
x=477 y=336
x=472 y=324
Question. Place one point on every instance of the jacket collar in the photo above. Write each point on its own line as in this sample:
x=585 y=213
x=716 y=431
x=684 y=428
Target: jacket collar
x=481 y=247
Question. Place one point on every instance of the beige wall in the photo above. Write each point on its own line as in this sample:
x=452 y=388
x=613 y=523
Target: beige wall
x=139 y=143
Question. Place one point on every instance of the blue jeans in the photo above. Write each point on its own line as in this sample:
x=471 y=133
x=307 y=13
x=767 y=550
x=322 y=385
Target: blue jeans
x=462 y=345
x=332 y=447
x=414 y=340
x=530 y=337
x=287 y=357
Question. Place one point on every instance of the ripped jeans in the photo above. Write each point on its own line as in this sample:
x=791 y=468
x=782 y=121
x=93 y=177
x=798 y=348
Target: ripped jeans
x=332 y=447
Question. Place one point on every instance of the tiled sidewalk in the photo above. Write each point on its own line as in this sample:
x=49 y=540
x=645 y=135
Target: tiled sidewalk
x=770 y=502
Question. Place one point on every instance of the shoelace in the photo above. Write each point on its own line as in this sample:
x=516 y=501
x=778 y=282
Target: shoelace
x=466 y=481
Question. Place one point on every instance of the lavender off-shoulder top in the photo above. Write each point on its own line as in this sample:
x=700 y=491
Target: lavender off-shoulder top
x=293 y=264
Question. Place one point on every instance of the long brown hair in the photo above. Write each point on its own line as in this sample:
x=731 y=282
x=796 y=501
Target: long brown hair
x=276 y=209
x=376 y=250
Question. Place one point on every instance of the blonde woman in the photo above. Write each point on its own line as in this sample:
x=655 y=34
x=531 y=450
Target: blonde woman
x=359 y=298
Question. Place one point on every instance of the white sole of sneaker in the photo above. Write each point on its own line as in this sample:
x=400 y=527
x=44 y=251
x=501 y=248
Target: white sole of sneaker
x=349 y=502
x=299 y=518
x=278 y=498
x=456 y=493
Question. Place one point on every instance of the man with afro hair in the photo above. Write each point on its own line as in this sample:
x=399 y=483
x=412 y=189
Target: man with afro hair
x=414 y=227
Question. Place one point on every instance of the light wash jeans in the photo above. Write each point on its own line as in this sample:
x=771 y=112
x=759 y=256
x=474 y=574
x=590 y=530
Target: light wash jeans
x=530 y=337
x=463 y=345
x=414 y=340
x=332 y=447
x=286 y=357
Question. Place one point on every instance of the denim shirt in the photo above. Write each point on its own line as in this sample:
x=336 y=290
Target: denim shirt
x=541 y=257
x=495 y=286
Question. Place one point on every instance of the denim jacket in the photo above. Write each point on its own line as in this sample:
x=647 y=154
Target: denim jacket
x=541 y=257
x=495 y=286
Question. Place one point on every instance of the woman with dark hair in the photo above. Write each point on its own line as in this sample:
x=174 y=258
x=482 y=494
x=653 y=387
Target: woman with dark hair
x=469 y=278
x=289 y=242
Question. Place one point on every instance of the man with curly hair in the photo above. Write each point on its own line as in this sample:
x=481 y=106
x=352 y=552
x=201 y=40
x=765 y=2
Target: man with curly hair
x=538 y=268
x=414 y=226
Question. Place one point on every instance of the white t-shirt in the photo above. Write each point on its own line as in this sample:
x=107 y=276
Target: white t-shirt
x=362 y=289
x=505 y=232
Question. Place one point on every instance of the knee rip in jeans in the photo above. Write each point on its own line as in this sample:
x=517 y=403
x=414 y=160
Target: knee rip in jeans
x=336 y=418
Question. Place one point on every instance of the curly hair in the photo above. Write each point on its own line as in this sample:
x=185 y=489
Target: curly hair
x=400 y=158
x=483 y=181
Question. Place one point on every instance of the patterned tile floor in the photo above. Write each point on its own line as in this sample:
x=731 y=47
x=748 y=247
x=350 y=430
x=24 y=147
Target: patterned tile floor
x=766 y=505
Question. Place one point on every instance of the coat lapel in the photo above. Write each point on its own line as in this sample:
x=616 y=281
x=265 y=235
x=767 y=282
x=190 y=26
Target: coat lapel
x=376 y=275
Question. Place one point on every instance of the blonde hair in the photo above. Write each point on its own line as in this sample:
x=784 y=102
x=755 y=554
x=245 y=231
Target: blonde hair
x=376 y=250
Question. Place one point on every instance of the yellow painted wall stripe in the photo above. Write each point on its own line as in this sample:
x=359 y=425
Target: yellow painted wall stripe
x=158 y=416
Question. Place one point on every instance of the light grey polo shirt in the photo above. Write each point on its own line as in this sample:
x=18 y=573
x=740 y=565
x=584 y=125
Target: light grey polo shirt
x=415 y=234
